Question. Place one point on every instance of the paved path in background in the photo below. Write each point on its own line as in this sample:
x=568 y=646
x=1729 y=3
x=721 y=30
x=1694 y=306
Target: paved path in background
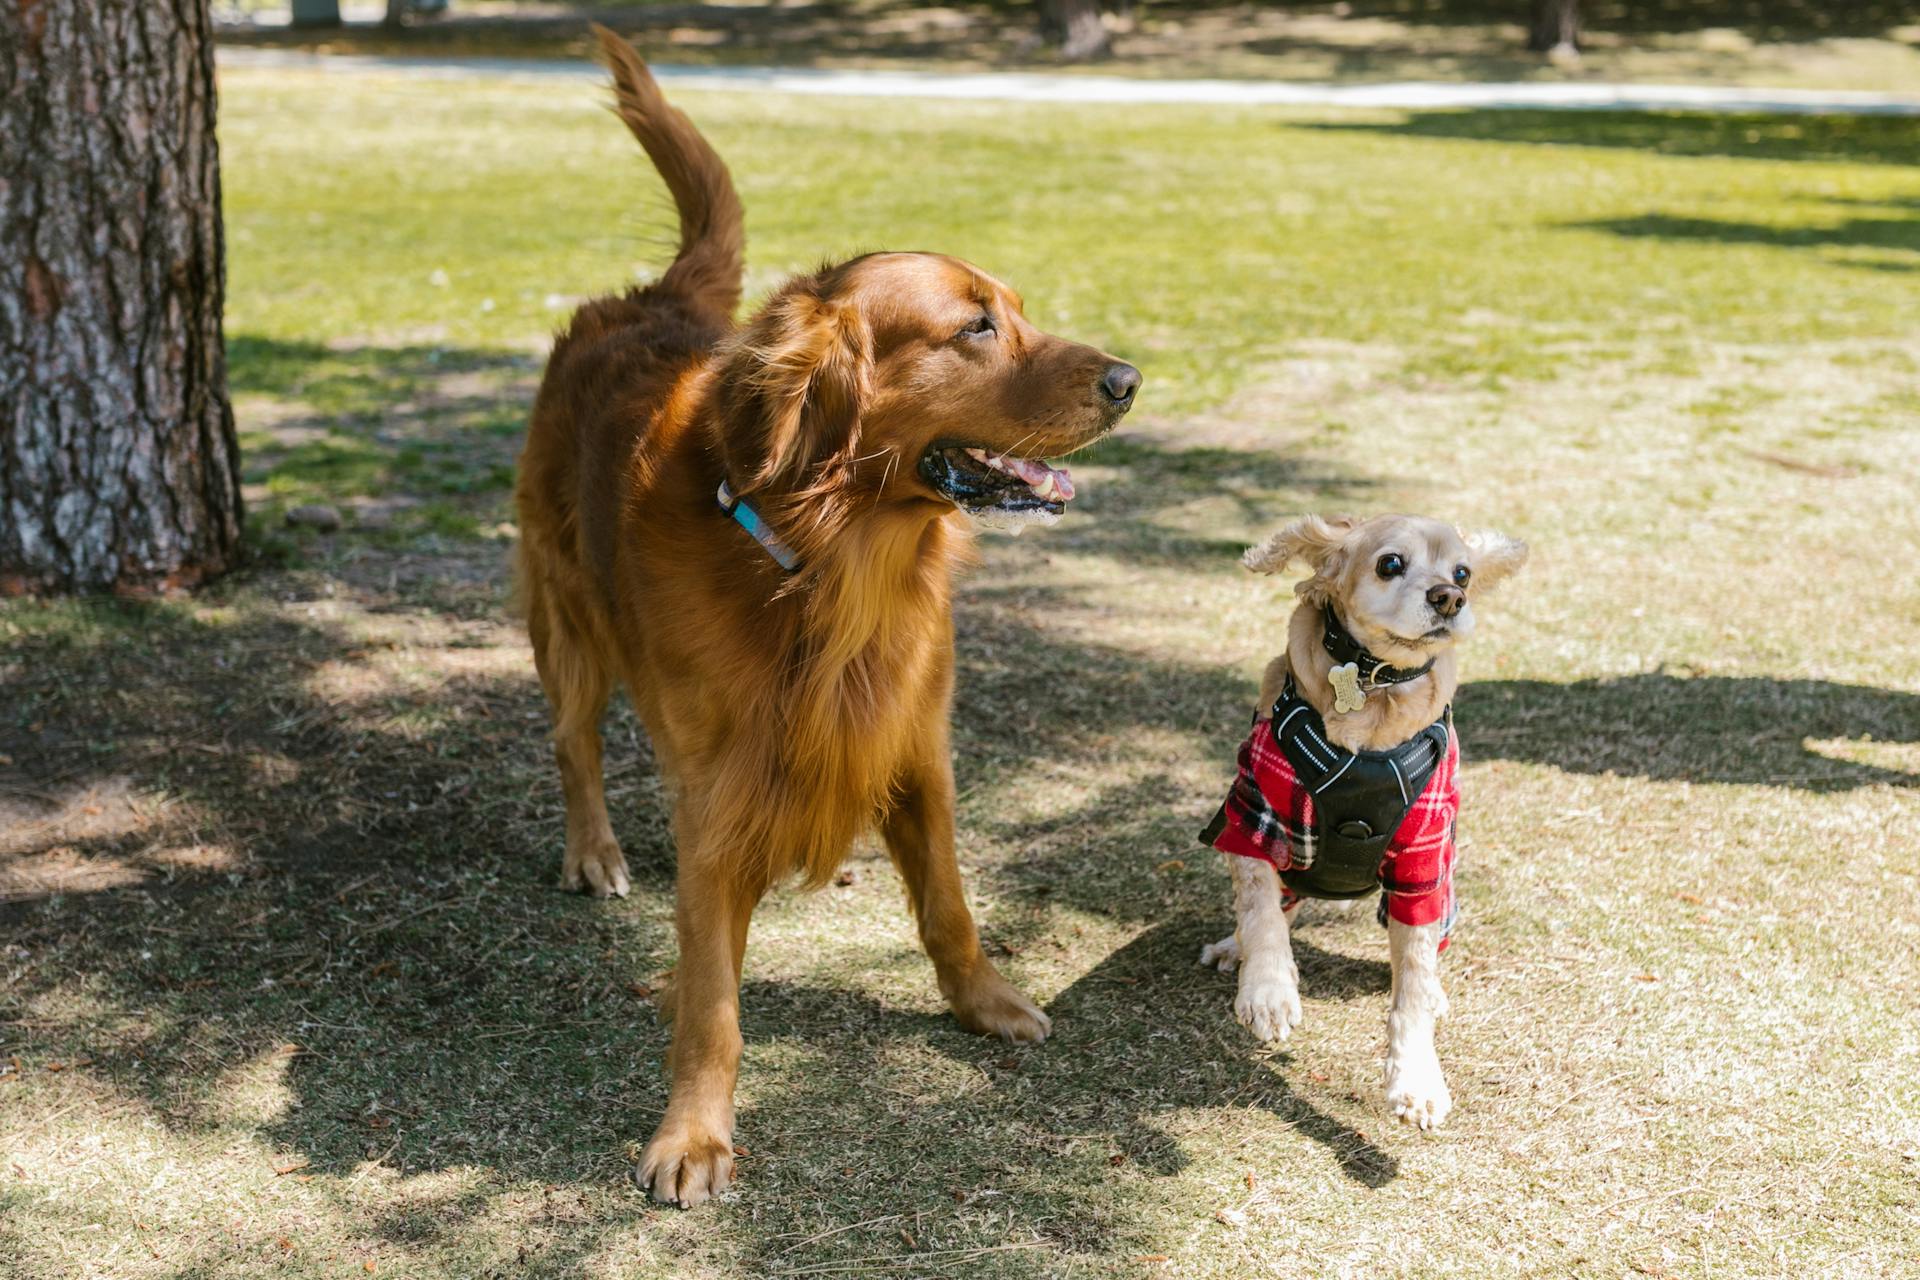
x=1120 y=91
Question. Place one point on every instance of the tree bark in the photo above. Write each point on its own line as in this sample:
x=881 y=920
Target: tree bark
x=1556 y=25
x=1076 y=24
x=118 y=464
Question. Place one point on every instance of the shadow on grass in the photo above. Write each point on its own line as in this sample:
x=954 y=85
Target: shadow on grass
x=1475 y=40
x=1890 y=140
x=1896 y=239
x=1759 y=19
x=415 y=437
x=256 y=838
x=1742 y=730
x=382 y=922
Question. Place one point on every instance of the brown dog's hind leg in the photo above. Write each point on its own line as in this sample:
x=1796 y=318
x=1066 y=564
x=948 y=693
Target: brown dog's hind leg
x=919 y=835
x=577 y=689
x=690 y=1156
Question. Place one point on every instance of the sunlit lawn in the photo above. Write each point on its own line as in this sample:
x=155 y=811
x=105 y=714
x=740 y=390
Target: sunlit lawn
x=289 y=990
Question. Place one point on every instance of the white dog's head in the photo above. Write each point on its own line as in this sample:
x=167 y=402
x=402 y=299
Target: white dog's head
x=1403 y=586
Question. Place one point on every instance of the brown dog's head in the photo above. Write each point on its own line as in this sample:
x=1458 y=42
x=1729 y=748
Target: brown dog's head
x=1403 y=586
x=913 y=379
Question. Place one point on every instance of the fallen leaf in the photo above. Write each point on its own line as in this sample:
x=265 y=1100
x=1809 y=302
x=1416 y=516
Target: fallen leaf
x=845 y=878
x=1694 y=898
x=1117 y=1159
x=1172 y=864
x=285 y=1244
x=640 y=990
x=281 y=1171
x=741 y=1151
x=1645 y=977
x=367 y=1266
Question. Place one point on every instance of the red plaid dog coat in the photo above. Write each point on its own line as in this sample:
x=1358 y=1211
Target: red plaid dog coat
x=1275 y=814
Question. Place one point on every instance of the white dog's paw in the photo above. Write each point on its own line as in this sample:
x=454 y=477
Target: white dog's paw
x=1223 y=955
x=1417 y=1092
x=1268 y=1006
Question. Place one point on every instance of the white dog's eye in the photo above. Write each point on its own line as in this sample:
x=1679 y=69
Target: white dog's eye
x=1461 y=575
x=1390 y=566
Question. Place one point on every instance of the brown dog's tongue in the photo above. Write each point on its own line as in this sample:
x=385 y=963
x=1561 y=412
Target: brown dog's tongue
x=1048 y=482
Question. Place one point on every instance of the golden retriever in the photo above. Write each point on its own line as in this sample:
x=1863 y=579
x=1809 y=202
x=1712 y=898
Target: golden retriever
x=1353 y=716
x=754 y=529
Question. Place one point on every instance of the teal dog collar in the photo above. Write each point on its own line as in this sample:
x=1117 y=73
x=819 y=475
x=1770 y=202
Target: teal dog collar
x=749 y=519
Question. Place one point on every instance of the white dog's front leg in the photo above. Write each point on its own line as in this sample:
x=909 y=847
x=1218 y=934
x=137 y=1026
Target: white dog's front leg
x=1416 y=1090
x=1268 y=1003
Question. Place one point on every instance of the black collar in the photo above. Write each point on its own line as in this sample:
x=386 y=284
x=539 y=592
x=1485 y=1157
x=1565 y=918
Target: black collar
x=1373 y=672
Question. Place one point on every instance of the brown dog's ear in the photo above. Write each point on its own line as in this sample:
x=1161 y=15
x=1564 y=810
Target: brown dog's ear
x=791 y=388
x=1313 y=540
x=1496 y=557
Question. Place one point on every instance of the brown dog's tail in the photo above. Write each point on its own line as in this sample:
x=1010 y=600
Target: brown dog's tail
x=712 y=231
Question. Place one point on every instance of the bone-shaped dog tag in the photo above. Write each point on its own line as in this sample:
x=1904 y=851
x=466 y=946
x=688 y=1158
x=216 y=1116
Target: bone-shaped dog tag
x=1346 y=688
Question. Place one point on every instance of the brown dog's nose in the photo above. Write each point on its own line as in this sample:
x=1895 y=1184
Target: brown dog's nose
x=1120 y=382
x=1446 y=599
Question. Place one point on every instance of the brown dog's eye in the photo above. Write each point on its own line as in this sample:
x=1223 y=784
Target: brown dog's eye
x=979 y=328
x=1461 y=575
x=1390 y=566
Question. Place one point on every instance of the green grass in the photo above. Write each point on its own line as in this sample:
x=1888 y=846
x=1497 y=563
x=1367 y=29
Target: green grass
x=287 y=986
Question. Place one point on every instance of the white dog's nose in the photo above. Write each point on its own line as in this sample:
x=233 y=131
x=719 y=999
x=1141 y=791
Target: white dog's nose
x=1446 y=599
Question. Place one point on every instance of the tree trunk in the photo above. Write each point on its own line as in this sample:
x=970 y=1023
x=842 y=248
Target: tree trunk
x=1556 y=26
x=118 y=465
x=1076 y=24
x=396 y=15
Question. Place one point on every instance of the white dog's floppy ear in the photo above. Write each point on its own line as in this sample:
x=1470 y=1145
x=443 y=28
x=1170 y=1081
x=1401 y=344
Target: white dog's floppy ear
x=1496 y=557
x=1310 y=539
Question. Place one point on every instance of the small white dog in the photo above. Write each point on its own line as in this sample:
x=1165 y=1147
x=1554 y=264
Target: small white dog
x=1348 y=783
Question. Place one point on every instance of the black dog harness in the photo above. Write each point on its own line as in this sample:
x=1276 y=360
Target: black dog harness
x=1328 y=817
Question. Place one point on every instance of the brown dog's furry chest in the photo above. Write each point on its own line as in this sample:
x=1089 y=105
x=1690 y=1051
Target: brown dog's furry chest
x=797 y=705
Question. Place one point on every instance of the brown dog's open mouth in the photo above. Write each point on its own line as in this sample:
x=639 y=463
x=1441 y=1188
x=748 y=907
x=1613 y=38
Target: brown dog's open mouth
x=983 y=483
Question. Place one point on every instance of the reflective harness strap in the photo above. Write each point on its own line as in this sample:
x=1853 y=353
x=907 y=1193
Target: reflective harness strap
x=1360 y=799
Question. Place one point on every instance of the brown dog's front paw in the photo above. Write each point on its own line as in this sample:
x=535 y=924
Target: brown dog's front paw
x=598 y=868
x=685 y=1164
x=992 y=1006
